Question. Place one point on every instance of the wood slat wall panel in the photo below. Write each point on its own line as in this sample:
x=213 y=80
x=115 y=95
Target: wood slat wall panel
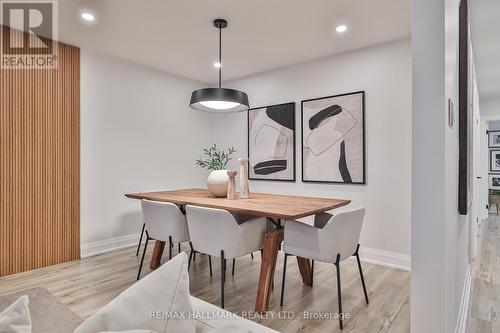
x=40 y=164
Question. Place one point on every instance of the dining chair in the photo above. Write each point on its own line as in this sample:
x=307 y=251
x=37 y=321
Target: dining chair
x=140 y=239
x=331 y=239
x=216 y=232
x=165 y=222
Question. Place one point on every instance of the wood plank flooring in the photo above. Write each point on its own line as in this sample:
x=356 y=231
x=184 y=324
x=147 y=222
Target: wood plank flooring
x=86 y=285
x=485 y=298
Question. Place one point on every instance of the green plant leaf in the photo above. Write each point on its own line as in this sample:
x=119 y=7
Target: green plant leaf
x=215 y=159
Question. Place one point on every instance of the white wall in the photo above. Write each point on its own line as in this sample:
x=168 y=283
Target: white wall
x=494 y=125
x=384 y=73
x=428 y=164
x=478 y=209
x=440 y=250
x=490 y=108
x=137 y=133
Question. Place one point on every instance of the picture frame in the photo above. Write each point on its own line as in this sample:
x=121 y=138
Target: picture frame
x=494 y=182
x=494 y=139
x=271 y=142
x=495 y=161
x=340 y=143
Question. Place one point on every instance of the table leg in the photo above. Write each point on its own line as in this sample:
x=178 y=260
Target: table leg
x=267 y=267
x=157 y=253
x=305 y=270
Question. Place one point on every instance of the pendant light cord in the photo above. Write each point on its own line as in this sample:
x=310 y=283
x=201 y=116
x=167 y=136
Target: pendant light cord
x=220 y=56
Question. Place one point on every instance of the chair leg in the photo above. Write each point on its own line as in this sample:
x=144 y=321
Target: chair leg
x=234 y=263
x=225 y=269
x=170 y=247
x=361 y=275
x=140 y=239
x=142 y=259
x=251 y=254
x=283 y=281
x=210 y=264
x=312 y=272
x=194 y=252
x=339 y=292
x=222 y=277
x=190 y=257
x=179 y=247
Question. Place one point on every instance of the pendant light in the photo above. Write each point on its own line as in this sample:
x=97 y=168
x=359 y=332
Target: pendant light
x=219 y=99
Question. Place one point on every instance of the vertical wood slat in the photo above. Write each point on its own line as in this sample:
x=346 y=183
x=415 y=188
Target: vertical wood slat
x=40 y=164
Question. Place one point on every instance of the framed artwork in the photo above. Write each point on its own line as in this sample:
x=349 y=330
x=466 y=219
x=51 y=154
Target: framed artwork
x=495 y=160
x=495 y=182
x=494 y=139
x=271 y=142
x=333 y=139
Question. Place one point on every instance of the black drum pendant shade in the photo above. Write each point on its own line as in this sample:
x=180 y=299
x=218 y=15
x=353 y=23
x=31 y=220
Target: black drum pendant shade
x=219 y=99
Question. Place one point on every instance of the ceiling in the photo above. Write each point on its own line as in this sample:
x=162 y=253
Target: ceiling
x=485 y=27
x=177 y=36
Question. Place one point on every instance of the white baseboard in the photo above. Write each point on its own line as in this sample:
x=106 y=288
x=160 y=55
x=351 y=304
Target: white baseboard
x=109 y=245
x=369 y=255
x=385 y=258
x=463 y=311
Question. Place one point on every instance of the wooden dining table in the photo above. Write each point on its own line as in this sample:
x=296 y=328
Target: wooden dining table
x=278 y=208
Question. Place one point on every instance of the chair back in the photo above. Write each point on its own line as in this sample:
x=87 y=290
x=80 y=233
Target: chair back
x=343 y=231
x=213 y=230
x=164 y=219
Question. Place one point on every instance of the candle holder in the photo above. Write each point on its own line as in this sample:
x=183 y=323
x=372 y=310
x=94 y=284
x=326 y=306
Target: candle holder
x=244 y=186
x=231 y=185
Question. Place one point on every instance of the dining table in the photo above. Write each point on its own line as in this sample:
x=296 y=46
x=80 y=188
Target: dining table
x=277 y=208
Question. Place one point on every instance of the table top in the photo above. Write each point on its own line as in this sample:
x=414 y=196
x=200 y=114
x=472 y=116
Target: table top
x=259 y=204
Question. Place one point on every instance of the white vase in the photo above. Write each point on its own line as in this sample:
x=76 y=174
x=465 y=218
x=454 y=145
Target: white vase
x=217 y=183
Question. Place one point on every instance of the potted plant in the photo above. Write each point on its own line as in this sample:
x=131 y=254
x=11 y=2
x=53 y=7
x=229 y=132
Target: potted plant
x=216 y=160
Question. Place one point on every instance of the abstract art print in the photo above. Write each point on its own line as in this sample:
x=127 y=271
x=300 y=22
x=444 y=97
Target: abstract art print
x=495 y=182
x=333 y=139
x=495 y=161
x=271 y=142
x=494 y=139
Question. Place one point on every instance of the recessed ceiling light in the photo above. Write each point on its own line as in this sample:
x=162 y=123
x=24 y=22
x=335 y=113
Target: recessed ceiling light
x=89 y=17
x=217 y=64
x=341 y=28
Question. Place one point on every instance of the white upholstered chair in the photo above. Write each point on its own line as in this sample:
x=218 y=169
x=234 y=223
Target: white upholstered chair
x=331 y=239
x=216 y=232
x=164 y=222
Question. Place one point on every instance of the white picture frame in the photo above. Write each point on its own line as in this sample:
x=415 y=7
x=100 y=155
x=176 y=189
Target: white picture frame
x=494 y=139
x=495 y=161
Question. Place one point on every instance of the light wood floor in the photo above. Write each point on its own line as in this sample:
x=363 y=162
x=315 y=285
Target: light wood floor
x=485 y=300
x=86 y=285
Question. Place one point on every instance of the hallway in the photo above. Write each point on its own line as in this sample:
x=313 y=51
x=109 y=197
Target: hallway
x=485 y=298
